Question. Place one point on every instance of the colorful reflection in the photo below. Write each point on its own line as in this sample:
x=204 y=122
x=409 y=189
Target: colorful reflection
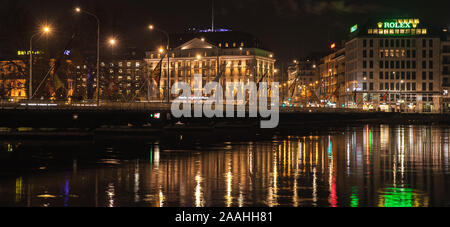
x=402 y=197
x=367 y=166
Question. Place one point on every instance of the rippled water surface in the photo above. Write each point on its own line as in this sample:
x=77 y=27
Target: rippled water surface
x=374 y=166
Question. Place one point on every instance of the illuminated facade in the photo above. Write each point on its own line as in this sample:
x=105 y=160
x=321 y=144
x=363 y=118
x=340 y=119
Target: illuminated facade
x=13 y=80
x=332 y=78
x=445 y=69
x=237 y=61
x=303 y=81
x=120 y=80
x=393 y=65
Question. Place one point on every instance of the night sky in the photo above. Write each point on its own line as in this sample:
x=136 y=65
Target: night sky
x=290 y=28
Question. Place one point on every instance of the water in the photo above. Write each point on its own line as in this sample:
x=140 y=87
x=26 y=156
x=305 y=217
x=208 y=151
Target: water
x=366 y=166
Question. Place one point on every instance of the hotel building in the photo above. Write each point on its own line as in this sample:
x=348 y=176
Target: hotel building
x=237 y=56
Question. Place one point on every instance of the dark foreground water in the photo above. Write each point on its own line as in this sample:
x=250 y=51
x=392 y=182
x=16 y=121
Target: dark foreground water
x=374 y=166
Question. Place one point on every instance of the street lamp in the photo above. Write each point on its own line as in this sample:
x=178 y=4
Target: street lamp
x=79 y=10
x=44 y=30
x=151 y=27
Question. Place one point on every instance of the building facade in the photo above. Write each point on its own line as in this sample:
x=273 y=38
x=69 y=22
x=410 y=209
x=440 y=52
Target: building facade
x=332 y=79
x=235 y=60
x=303 y=83
x=394 y=65
x=13 y=80
x=121 y=80
x=445 y=71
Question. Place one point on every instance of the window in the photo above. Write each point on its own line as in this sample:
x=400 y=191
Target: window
x=381 y=86
x=431 y=75
x=424 y=43
x=424 y=76
x=424 y=64
x=414 y=75
x=365 y=86
x=431 y=43
x=431 y=65
x=371 y=43
x=364 y=43
x=371 y=64
x=371 y=75
x=431 y=87
x=364 y=53
x=413 y=86
x=381 y=76
x=364 y=64
x=371 y=54
x=424 y=86
x=371 y=87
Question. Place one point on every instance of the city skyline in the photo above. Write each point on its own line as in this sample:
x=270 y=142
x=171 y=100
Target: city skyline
x=281 y=25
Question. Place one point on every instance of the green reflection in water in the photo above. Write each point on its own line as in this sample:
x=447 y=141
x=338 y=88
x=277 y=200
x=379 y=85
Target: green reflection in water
x=401 y=197
x=354 y=198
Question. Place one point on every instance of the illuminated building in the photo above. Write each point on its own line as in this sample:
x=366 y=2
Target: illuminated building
x=393 y=65
x=332 y=79
x=445 y=69
x=237 y=56
x=302 y=83
x=13 y=79
x=121 y=79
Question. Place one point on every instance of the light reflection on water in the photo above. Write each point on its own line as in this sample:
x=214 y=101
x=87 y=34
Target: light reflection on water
x=376 y=166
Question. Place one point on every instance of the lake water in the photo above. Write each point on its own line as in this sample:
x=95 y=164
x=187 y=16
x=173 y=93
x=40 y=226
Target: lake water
x=358 y=166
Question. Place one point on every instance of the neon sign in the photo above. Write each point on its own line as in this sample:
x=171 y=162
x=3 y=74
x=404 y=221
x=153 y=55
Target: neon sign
x=354 y=28
x=23 y=53
x=398 y=27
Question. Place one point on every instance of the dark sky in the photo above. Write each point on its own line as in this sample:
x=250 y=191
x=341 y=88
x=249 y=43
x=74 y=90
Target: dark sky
x=290 y=28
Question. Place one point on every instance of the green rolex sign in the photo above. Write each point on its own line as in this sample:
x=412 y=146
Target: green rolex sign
x=397 y=25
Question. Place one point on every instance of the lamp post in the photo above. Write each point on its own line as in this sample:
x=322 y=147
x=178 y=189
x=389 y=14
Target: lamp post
x=152 y=27
x=79 y=10
x=45 y=30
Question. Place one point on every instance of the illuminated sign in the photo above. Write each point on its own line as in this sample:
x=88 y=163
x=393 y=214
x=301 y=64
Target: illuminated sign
x=333 y=45
x=354 y=28
x=24 y=53
x=398 y=27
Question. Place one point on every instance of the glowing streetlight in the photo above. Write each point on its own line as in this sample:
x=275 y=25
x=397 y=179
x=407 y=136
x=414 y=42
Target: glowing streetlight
x=151 y=27
x=199 y=57
x=79 y=10
x=112 y=42
x=44 y=30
